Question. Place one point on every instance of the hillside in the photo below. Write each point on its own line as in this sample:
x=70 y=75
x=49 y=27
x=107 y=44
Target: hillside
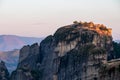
x=9 y=48
x=10 y=58
x=11 y=42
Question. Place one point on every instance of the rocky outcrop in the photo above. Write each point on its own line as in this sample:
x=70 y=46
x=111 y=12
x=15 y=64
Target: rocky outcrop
x=4 y=74
x=28 y=56
x=27 y=66
x=74 y=52
x=77 y=52
x=10 y=58
x=110 y=70
x=84 y=47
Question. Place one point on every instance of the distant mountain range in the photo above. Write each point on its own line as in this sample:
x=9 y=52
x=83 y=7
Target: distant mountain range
x=10 y=58
x=118 y=41
x=9 y=48
x=11 y=42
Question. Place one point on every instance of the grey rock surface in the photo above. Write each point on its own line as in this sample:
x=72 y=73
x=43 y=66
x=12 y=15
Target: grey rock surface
x=74 y=52
x=4 y=74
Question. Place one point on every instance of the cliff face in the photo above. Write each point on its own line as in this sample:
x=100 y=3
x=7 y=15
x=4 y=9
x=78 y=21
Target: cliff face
x=4 y=74
x=81 y=50
x=74 y=52
x=27 y=66
x=29 y=56
x=110 y=70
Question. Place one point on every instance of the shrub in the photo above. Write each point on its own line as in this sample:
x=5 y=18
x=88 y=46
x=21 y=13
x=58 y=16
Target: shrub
x=75 y=22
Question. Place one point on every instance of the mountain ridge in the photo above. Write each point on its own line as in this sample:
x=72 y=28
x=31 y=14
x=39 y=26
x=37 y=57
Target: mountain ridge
x=10 y=42
x=10 y=46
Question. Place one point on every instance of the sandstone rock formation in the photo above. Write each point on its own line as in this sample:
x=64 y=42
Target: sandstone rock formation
x=27 y=63
x=4 y=74
x=110 y=70
x=74 y=52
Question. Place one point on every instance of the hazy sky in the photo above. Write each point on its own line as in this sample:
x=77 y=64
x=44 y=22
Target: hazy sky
x=42 y=17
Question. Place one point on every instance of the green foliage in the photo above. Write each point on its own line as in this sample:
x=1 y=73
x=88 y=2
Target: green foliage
x=75 y=56
x=116 y=47
x=64 y=61
x=111 y=70
x=103 y=28
x=75 y=22
x=37 y=74
x=99 y=50
x=86 y=37
x=119 y=68
x=73 y=37
x=85 y=24
x=25 y=70
x=62 y=33
x=86 y=48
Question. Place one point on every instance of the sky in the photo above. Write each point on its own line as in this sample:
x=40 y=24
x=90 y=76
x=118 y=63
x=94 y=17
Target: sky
x=40 y=18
